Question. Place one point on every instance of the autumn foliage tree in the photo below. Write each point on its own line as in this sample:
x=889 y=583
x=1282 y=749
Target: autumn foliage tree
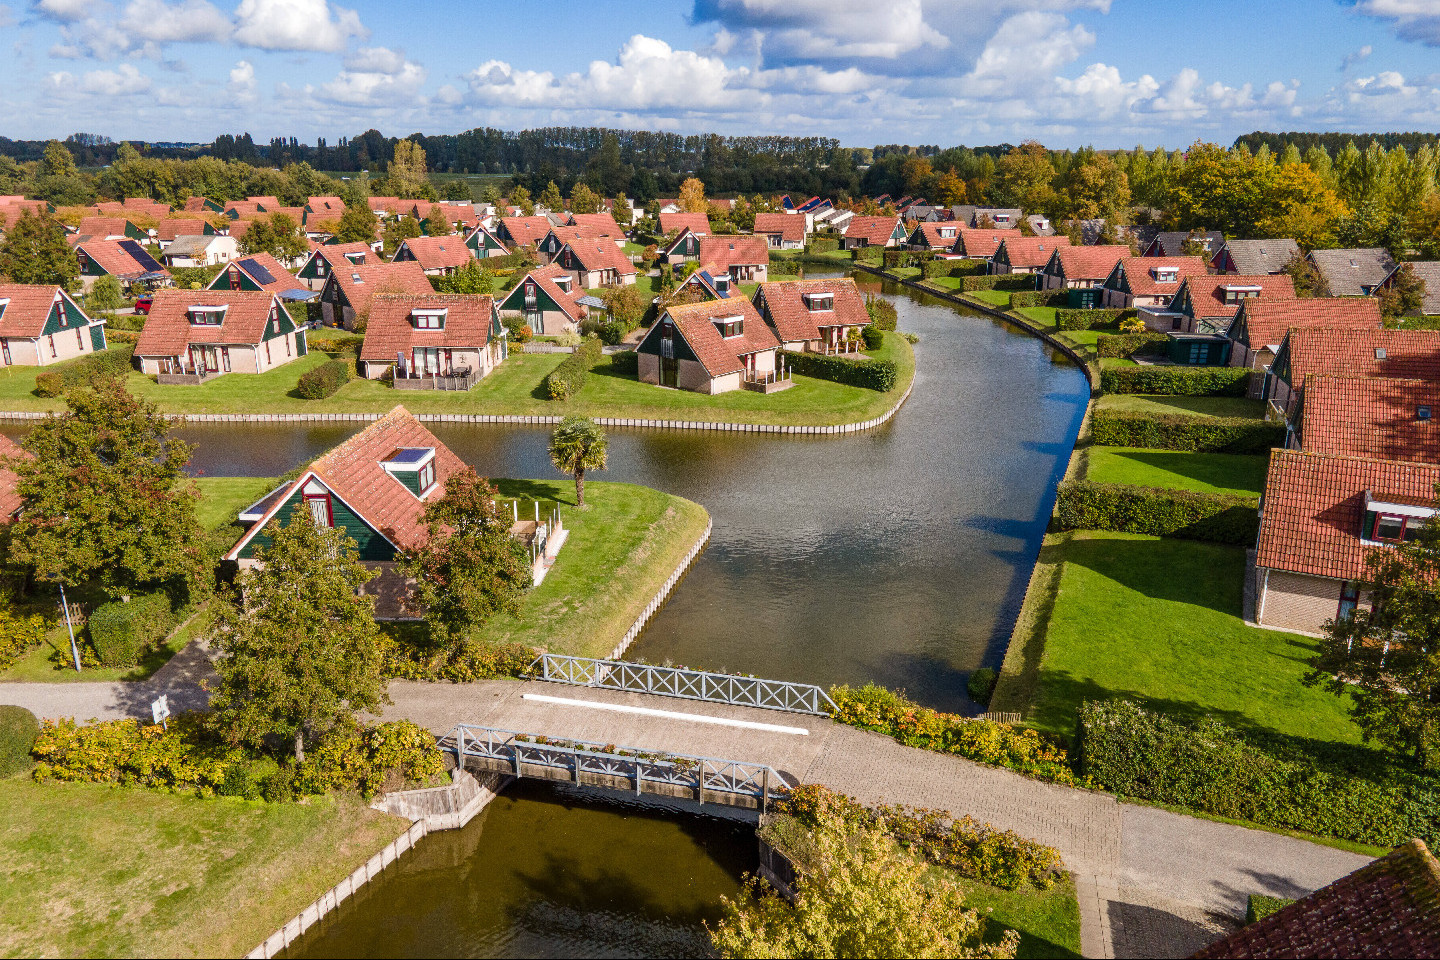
x=1404 y=294
x=34 y=251
x=692 y=196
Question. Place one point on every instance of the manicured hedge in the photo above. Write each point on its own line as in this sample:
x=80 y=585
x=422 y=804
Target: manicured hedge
x=120 y=631
x=874 y=338
x=1177 y=431
x=625 y=362
x=999 y=281
x=1069 y=318
x=1149 y=344
x=1184 y=514
x=870 y=255
x=1333 y=790
x=18 y=730
x=1037 y=298
x=569 y=377
x=113 y=362
x=325 y=379
x=872 y=374
x=823 y=245
x=1177 y=381
x=954 y=268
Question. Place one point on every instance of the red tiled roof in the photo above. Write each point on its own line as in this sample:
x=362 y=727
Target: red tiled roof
x=387 y=204
x=1208 y=293
x=319 y=203
x=696 y=223
x=281 y=279
x=194 y=205
x=1032 y=251
x=874 y=230
x=1314 y=508
x=238 y=228
x=334 y=253
x=438 y=253
x=168 y=330
x=103 y=227
x=1371 y=417
x=790 y=226
x=13 y=210
x=467 y=323
x=793 y=320
x=597 y=253
x=9 y=481
x=1264 y=322
x=269 y=203
x=1388 y=908
x=1350 y=352
x=526 y=231
x=1140 y=274
x=178 y=227
x=1090 y=263
x=602 y=222
x=725 y=252
x=719 y=356
x=243 y=208
x=980 y=243
x=112 y=257
x=544 y=278
x=405 y=277
x=930 y=233
x=28 y=310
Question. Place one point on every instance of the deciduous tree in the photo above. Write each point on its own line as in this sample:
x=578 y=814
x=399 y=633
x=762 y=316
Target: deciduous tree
x=1309 y=282
x=105 y=295
x=397 y=231
x=437 y=224
x=278 y=235
x=1024 y=178
x=1404 y=294
x=357 y=223
x=692 y=196
x=34 y=251
x=584 y=200
x=520 y=197
x=407 y=171
x=550 y=198
x=578 y=445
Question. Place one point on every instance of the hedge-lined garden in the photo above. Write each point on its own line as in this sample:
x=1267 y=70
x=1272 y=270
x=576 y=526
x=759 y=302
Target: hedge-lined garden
x=1188 y=515
x=1178 y=431
x=569 y=377
x=1124 y=345
x=1072 y=319
x=999 y=281
x=113 y=362
x=1177 y=381
x=878 y=375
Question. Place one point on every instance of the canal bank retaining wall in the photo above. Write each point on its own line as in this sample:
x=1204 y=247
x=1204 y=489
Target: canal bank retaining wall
x=432 y=809
x=663 y=594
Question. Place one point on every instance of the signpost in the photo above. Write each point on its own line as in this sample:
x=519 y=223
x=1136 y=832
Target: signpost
x=160 y=710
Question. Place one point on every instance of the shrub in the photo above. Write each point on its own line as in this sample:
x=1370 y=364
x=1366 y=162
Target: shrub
x=569 y=377
x=1133 y=325
x=871 y=255
x=325 y=379
x=1001 y=281
x=1333 y=790
x=1258 y=906
x=388 y=755
x=1177 y=381
x=113 y=362
x=1184 y=514
x=871 y=374
x=874 y=708
x=1037 y=298
x=981 y=685
x=882 y=313
x=132 y=753
x=874 y=339
x=625 y=363
x=784 y=266
x=1177 y=431
x=1001 y=858
x=17 y=635
x=473 y=661
x=1143 y=343
x=953 y=268
x=823 y=245
x=18 y=730
x=120 y=631
x=1072 y=319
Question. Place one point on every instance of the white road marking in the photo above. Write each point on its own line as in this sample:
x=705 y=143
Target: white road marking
x=667 y=714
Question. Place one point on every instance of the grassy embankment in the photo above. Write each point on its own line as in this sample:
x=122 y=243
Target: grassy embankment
x=513 y=388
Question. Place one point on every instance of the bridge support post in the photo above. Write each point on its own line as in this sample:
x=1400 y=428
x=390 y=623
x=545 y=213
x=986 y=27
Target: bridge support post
x=638 y=781
x=764 y=789
x=459 y=749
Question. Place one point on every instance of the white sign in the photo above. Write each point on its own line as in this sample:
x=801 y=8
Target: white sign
x=160 y=709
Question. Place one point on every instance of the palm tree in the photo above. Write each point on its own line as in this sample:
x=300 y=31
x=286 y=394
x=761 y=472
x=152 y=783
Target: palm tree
x=577 y=445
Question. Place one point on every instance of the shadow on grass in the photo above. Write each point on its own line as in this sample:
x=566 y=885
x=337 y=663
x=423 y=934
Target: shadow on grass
x=1177 y=571
x=561 y=490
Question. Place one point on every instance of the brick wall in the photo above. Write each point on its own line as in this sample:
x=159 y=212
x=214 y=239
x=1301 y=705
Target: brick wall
x=1296 y=601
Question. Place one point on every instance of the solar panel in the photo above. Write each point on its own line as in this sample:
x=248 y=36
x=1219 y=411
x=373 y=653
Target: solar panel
x=409 y=455
x=256 y=270
x=147 y=262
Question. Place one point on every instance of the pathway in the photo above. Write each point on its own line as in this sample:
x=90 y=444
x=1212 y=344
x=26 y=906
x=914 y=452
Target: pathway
x=1151 y=883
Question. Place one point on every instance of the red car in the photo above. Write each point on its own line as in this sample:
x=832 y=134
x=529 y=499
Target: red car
x=143 y=303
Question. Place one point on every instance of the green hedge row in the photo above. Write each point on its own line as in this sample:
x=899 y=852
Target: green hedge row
x=325 y=379
x=1149 y=344
x=1177 y=431
x=1184 y=514
x=1333 y=790
x=784 y=266
x=120 y=631
x=569 y=377
x=113 y=362
x=1070 y=318
x=1177 y=381
x=823 y=245
x=871 y=374
x=1037 y=298
x=999 y=281
x=625 y=362
x=954 y=268
x=18 y=730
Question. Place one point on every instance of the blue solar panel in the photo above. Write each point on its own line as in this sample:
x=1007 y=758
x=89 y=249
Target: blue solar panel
x=147 y=262
x=409 y=455
x=256 y=270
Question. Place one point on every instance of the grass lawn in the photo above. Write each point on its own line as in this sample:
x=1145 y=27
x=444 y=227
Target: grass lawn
x=89 y=870
x=1203 y=472
x=622 y=547
x=996 y=298
x=1195 y=406
x=514 y=388
x=1158 y=620
x=222 y=499
x=1048 y=921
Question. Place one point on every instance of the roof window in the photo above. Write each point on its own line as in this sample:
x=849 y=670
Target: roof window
x=355 y=277
x=414 y=467
x=1422 y=412
x=428 y=318
x=1379 y=353
x=563 y=283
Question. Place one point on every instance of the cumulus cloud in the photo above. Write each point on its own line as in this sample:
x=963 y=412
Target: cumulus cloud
x=310 y=25
x=1415 y=20
x=1383 y=84
x=1027 y=50
x=65 y=11
x=190 y=21
x=124 y=81
x=242 y=78
x=376 y=60
x=388 y=82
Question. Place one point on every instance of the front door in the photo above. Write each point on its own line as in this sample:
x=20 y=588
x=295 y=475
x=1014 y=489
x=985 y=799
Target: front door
x=669 y=372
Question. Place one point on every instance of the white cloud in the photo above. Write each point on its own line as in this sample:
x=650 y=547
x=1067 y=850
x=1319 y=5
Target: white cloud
x=397 y=87
x=314 y=25
x=830 y=29
x=376 y=60
x=242 y=78
x=189 y=21
x=1026 y=51
x=126 y=80
x=1383 y=84
x=65 y=11
x=1417 y=20
x=1351 y=59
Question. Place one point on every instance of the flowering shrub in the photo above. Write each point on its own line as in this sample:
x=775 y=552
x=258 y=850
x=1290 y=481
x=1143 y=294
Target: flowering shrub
x=875 y=708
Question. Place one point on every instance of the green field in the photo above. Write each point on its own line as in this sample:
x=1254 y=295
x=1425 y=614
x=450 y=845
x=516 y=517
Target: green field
x=1158 y=621
x=1170 y=469
x=89 y=870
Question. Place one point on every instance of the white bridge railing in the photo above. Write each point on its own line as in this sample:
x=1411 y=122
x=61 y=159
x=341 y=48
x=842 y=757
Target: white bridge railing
x=685 y=684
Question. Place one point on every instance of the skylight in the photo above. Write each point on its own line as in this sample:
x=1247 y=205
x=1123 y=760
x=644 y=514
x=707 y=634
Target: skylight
x=409 y=458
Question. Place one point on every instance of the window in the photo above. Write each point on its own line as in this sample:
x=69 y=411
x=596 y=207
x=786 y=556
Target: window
x=207 y=316
x=267 y=351
x=319 y=506
x=820 y=301
x=729 y=327
x=428 y=319
x=1390 y=527
x=1422 y=412
x=1196 y=353
x=1349 y=600
x=51 y=338
x=427 y=476
x=722 y=283
x=79 y=339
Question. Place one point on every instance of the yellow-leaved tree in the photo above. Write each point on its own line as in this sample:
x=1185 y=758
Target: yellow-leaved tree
x=692 y=196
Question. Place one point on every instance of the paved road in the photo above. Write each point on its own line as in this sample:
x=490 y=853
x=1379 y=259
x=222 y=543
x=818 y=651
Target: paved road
x=1151 y=883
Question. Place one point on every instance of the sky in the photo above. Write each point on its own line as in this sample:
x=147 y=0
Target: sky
x=1107 y=73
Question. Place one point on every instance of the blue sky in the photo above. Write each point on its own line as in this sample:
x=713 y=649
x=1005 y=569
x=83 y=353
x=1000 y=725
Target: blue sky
x=1110 y=73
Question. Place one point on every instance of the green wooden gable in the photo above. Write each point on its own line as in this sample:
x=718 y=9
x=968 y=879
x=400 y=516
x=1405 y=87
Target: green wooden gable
x=222 y=279
x=515 y=300
x=651 y=343
x=372 y=546
x=311 y=269
x=64 y=315
x=481 y=242
x=97 y=336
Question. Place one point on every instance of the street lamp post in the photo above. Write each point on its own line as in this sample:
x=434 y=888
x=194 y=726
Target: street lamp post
x=74 y=647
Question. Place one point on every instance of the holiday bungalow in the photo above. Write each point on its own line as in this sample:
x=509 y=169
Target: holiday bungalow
x=110 y=228
x=745 y=259
x=1081 y=268
x=820 y=316
x=685 y=246
x=1002 y=217
x=192 y=336
x=259 y=271
x=1353 y=273
x=1308 y=352
x=549 y=248
x=1321 y=516
x=522 y=231
x=1026 y=254
x=199 y=251
x=936 y=235
x=975 y=244
x=484 y=243
x=548 y=301
x=168 y=231
x=678 y=222
x=595 y=262
x=704 y=285
x=433 y=341
x=1208 y=304
x=1148 y=281
x=42 y=324
x=873 y=232
x=125 y=260
x=201 y=205
x=602 y=223
x=1253 y=258
x=437 y=256
x=1260 y=325
x=345 y=298
x=325 y=260
x=710 y=347
x=782 y=231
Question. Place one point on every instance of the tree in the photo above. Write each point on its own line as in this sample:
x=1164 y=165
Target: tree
x=301 y=650
x=59 y=181
x=397 y=231
x=858 y=896
x=106 y=295
x=437 y=224
x=1386 y=658
x=357 y=223
x=665 y=283
x=1309 y=282
x=1024 y=177
x=407 y=171
x=105 y=496
x=472 y=278
x=457 y=190
x=550 y=198
x=469 y=568
x=491 y=195
x=692 y=196
x=278 y=235
x=57 y=161
x=1302 y=207
x=1097 y=188
x=520 y=197
x=584 y=200
x=607 y=173
x=948 y=189
x=578 y=445
x=1404 y=295
x=34 y=251
x=625 y=304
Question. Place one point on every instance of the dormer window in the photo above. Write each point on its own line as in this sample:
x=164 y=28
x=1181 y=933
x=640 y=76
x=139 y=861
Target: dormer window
x=1389 y=522
x=820 y=301
x=414 y=467
x=356 y=258
x=563 y=283
x=729 y=326
x=1235 y=293
x=1166 y=274
x=721 y=282
x=428 y=319
x=207 y=316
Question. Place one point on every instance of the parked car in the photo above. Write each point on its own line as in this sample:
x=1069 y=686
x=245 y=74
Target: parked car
x=143 y=303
